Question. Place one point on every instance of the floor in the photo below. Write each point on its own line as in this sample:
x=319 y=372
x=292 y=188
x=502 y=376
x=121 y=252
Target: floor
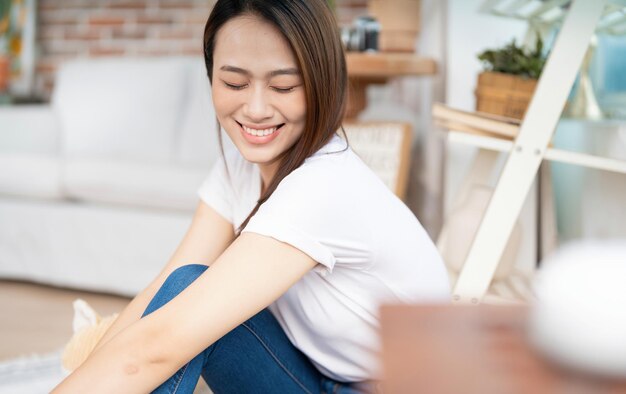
x=38 y=319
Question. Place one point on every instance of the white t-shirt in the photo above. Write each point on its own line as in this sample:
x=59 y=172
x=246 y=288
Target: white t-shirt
x=369 y=246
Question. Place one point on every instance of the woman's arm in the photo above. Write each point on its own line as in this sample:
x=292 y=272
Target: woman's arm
x=253 y=272
x=207 y=237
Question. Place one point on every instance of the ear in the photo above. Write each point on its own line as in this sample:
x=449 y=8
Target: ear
x=84 y=315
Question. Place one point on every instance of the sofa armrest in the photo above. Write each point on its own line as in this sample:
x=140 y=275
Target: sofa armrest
x=29 y=129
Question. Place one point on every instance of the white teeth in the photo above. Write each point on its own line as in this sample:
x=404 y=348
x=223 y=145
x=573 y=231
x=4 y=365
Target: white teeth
x=259 y=133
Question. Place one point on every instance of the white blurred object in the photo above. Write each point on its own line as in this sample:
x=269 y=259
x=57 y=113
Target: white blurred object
x=579 y=318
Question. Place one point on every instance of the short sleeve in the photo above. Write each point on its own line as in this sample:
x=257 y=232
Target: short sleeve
x=216 y=191
x=292 y=215
x=272 y=226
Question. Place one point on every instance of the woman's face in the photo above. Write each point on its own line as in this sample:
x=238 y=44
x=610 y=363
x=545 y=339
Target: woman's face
x=257 y=89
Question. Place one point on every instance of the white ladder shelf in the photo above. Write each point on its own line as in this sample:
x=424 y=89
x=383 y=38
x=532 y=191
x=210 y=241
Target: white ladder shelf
x=530 y=147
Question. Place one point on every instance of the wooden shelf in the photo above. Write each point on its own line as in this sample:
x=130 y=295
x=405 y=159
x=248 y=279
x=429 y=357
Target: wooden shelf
x=387 y=65
x=376 y=67
x=552 y=154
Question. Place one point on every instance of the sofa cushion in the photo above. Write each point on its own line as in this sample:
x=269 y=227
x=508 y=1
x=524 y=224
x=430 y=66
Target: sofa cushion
x=30 y=175
x=126 y=108
x=94 y=247
x=132 y=183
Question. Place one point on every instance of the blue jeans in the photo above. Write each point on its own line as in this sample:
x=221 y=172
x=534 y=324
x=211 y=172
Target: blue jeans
x=255 y=357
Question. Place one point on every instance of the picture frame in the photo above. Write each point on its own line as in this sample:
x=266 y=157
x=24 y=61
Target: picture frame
x=21 y=47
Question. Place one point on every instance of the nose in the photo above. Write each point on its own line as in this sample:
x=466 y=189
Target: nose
x=257 y=106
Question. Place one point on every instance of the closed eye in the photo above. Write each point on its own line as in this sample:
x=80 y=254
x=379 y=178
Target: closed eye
x=283 y=90
x=234 y=86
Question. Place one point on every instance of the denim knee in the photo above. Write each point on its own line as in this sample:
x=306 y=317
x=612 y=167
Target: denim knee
x=187 y=273
x=177 y=281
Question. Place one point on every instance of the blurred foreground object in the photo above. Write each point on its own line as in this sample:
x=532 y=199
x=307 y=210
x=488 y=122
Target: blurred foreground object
x=471 y=349
x=579 y=318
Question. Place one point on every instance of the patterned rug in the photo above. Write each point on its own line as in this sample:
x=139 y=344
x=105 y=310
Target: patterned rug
x=32 y=374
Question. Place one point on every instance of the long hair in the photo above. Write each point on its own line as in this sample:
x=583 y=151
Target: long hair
x=311 y=30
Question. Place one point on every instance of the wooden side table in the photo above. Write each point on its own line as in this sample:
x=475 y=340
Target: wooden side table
x=465 y=349
x=366 y=68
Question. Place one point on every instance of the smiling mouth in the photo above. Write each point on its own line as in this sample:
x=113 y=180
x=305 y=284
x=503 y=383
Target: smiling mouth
x=260 y=132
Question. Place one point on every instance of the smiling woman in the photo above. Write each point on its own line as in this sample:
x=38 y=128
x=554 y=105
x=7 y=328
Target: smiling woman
x=295 y=50
x=303 y=240
x=258 y=91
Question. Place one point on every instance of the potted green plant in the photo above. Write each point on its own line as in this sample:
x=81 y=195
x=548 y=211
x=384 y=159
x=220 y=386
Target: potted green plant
x=5 y=8
x=508 y=81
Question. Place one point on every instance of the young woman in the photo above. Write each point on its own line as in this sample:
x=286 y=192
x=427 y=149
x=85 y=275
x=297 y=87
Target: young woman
x=294 y=244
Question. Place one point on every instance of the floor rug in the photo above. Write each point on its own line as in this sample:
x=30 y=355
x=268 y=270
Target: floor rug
x=39 y=374
x=31 y=374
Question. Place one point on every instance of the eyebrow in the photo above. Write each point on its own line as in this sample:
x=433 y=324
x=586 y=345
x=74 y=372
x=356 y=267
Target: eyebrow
x=282 y=71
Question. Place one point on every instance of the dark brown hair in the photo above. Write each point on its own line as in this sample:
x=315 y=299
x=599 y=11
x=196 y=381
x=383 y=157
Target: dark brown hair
x=311 y=30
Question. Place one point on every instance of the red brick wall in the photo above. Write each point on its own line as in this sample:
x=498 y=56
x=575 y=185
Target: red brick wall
x=90 y=28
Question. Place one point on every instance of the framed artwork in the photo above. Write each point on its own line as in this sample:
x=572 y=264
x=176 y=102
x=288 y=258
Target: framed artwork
x=19 y=44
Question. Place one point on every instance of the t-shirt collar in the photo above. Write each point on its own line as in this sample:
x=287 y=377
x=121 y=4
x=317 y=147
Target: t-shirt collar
x=335 y=144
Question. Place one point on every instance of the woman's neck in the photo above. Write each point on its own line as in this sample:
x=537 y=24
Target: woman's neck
x=267 y=172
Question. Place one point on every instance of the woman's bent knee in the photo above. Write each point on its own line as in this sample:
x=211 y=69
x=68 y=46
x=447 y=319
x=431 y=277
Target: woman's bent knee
x=183 y=276
x=177 y=281
x=189 y=270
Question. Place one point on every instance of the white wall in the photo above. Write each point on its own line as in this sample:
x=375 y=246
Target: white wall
x=410 y=99
x=469 y=33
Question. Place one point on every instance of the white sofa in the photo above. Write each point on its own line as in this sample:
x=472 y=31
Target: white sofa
x=98 y=187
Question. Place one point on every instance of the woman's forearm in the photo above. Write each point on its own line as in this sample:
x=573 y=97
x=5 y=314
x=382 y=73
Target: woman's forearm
x=129 y=315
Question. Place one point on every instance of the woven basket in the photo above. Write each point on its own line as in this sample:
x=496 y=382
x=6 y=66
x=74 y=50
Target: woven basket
x=504 y=94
